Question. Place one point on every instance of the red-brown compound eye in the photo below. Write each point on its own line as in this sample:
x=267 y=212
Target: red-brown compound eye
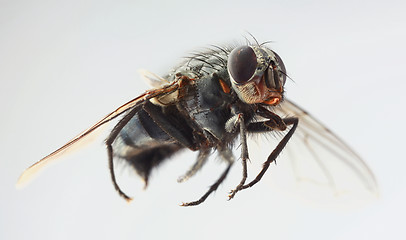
x=241 y=64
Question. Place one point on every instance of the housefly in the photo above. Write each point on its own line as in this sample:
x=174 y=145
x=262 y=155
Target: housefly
x=205 y=104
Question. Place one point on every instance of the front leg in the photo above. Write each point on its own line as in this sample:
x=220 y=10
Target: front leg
x=275 y=153
x=274 y=122
x=244 y=151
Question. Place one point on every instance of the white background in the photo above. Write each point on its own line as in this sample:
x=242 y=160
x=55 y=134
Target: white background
x=65 y=64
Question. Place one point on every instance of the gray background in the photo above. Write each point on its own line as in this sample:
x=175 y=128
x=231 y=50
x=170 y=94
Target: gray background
x=65 y=64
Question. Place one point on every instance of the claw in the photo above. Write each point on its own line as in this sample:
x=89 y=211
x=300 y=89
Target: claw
x=188 y=204
x=232 y=194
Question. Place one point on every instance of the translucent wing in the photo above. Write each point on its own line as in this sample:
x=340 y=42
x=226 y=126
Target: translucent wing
x=89 y=133
x=320 y=159
x=152 y=79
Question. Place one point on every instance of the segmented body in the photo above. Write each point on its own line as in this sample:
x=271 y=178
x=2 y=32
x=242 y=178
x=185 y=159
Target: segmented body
x=192 y=117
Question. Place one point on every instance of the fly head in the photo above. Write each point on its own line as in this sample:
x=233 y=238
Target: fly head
x=257 y=74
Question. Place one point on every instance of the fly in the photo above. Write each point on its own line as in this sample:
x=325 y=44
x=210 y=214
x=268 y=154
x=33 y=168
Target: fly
x=204 y=104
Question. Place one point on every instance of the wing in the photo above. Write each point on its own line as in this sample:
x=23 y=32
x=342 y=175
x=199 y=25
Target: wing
x=152 y=79
x=319 y=157
x=89 y=133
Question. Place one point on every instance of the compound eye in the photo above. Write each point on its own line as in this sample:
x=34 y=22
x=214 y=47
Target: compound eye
x=242 y=63
x=282 y=66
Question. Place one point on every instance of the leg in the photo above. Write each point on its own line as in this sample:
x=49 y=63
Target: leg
x=174 y=86
x=109 y=141
x=277 y=150
x=201 y=160
x=225 y=154
x=244 y=155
